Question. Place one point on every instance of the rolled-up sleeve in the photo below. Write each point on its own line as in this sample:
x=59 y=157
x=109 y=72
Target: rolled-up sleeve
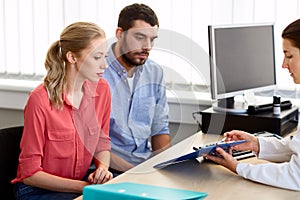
x=31 y=155
x=104 y=109
x=160 y=123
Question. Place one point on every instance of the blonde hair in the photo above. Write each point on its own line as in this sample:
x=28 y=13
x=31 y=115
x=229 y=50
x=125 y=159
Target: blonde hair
x=74 y=38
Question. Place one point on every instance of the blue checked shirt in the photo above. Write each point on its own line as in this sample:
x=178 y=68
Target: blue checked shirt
x=138 y=115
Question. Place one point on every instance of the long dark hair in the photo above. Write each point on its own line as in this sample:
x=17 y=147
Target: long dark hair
x=292 y=33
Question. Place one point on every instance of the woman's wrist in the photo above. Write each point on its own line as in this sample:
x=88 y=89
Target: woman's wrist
x=256 y=146
x=102 y=167
x=75 y=186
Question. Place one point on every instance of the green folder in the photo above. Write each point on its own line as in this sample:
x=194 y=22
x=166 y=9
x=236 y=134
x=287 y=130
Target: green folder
x=134 y=191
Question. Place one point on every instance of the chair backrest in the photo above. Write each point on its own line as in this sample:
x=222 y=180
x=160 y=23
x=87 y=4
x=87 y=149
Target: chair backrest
x=9 y=154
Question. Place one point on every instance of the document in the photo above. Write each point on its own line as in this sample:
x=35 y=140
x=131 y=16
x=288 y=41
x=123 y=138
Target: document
x=203 y=151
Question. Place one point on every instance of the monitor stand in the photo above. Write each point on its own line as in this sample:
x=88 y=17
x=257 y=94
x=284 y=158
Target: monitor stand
x=230 y=106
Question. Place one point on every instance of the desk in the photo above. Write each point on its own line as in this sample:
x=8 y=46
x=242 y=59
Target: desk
x=216 y=180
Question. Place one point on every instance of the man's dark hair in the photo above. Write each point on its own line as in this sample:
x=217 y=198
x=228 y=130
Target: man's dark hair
x=136 y=12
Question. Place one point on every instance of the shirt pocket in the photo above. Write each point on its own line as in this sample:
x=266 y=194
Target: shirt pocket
x=143 y=110
x=61 y=143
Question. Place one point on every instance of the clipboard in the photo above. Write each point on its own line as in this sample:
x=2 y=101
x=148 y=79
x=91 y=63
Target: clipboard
x=203 y=151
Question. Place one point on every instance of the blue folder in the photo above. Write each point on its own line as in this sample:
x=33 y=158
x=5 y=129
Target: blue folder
x=135 y=191
x=209 y=149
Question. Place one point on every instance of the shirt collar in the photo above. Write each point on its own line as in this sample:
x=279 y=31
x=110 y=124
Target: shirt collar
x=90 y=91
x=65 y=99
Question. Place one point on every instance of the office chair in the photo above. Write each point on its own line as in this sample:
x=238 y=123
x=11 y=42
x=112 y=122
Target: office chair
x=9 y=154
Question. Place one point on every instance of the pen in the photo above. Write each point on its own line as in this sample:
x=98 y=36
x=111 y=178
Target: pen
x=223 y=140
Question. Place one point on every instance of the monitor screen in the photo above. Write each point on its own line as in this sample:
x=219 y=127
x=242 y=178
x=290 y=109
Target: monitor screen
x=241 y=60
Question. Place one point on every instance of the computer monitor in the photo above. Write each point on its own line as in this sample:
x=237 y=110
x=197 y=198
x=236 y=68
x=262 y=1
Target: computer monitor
x=242 y=60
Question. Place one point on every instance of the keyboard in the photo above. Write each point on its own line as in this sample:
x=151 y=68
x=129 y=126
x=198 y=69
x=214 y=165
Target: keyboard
x=267 y=134
x=240 y=155
x=235 y=153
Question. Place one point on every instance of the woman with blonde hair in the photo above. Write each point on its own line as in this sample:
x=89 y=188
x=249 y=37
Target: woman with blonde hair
x=66 y=119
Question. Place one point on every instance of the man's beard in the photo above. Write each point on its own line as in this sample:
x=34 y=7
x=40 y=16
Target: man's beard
x=127 y=56
x=130 y=61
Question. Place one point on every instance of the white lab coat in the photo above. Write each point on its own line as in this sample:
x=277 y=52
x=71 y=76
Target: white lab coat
x=283 y=171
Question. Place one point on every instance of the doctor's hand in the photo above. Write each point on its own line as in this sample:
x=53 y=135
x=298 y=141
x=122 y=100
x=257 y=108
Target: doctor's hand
x=251 y=144
x=225 y=159
x=100 y=176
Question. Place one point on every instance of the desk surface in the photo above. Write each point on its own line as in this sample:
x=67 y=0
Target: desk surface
x=206 y=176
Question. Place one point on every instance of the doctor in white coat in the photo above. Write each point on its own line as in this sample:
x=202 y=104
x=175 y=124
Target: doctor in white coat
x=284 y=169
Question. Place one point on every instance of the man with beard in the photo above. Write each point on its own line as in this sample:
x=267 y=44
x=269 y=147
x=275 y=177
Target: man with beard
x=139 y=117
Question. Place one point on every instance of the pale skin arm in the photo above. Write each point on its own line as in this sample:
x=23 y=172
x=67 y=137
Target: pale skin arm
x=160 y=143
x=55 y=183
x=118 y=163
x=228 y=161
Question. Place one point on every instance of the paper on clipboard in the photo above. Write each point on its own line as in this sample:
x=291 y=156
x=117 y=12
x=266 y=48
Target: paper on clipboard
x=201 y=152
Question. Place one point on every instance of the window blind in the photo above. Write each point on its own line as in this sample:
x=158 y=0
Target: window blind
x=28 y=27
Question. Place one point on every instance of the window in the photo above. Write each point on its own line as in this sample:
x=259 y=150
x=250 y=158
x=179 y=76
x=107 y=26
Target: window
x=30 y=26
